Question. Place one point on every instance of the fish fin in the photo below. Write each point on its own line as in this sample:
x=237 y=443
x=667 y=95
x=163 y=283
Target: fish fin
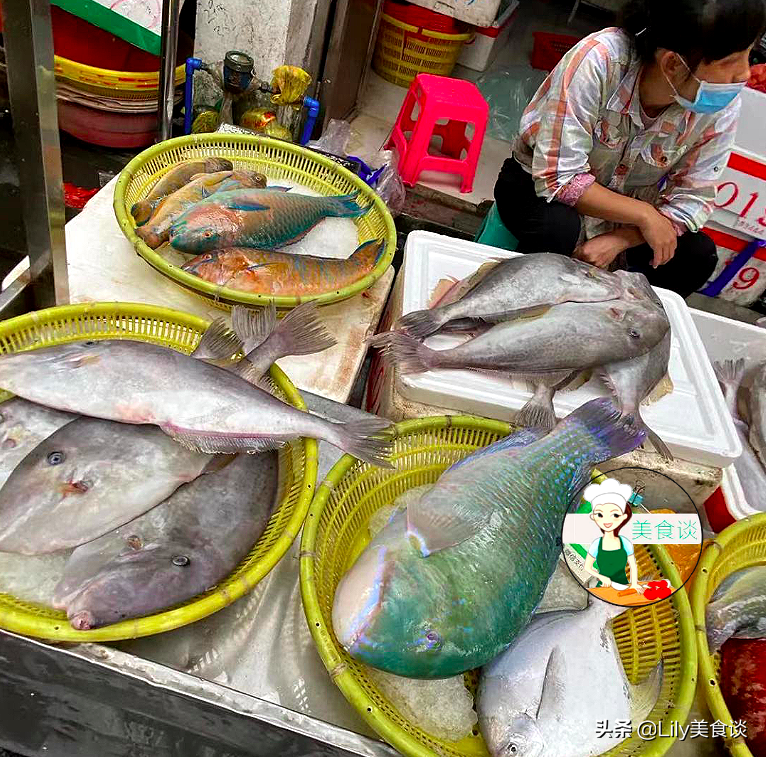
x=369 y=440
x=515 y=441
x=421 y=323
x=552 y=696
x=344 y=206
x=614 y=434
x=645 y=696
x=266 y=383
x=441 y=291
x=573 y=381
x=460 y=288
x=277 y=188
x=253 y=326
x=220 y=443
x=730 y=371
x=570 y=278
x=301 y=332
x=658 y=444
x=217 y=462
x=446 y=527
x=538 y=411
x=218 y=342
x=379 y=245
x=404 y=352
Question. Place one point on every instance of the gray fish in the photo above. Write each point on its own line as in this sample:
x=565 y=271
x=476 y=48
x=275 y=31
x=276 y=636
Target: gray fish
x=87 y=478
x=757 y=409
x=737 y=608
x=179 y=549
x=571 y=336
x=23 y=425
x=516 y=287
x=750 y=471
x=546 y=694
x=632 y=381
x=204 y=407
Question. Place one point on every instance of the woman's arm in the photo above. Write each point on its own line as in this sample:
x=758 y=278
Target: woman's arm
x=590 y=570
x=634 y=575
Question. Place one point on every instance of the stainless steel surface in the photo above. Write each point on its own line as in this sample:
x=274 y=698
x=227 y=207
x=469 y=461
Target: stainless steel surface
x=28 y=41
x=168 y=53
x=352 y=41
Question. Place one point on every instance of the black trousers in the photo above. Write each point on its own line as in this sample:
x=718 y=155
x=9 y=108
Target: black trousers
x=542 y=226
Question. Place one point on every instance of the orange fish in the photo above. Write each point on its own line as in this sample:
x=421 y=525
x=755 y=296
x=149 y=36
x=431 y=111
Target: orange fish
x=283 y=274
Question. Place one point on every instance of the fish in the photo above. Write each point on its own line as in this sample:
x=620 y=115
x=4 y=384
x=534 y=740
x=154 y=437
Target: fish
x=264 y=219
x=750 y=471
x=757 y=411
x=517 y=287
x=183 y=547
x=737 y=608
x=743 y=685
x=570 y=336
x=156 y=229
x=86 y=478
x=23 y=425
x=545 y=695
x=174 y=179
x=202 y=406
x=632 y=381
x=283 y=274
x=449 y=584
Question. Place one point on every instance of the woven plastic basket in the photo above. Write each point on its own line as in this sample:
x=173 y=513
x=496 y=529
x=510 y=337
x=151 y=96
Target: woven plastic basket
x=335 y=533
x=275 y=159
x=127 y=85
x=402 y=51
x=741 y=545
x=180 y=331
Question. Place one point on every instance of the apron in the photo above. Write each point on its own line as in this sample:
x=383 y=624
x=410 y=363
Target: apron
x=612 y=564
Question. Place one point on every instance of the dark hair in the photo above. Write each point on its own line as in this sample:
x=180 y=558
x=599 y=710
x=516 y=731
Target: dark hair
x=629 y=513
x=698 y=30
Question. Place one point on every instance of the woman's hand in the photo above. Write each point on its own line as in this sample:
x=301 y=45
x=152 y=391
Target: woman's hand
x=606 y=582
x=601 y=250
x=638 y=588
x=660 y=235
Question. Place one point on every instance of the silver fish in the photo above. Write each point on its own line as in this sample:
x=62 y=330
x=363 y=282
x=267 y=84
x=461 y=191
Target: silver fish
x=179 y=549
x=757 y=409
x=87 y=478
x=515 y=287
x=205 y=407
x=571 y=336
x=737 y=608
x=545 y=695
x=23 y=425
x=750 y=471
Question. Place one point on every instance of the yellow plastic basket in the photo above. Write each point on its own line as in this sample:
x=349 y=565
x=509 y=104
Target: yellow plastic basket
x=126 y=85
x=181 y=331
x=276 y=160
x=402 y=51
x=741 y=545
x=335 y=533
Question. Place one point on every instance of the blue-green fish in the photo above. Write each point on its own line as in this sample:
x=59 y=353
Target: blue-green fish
x=262 y=218
x=449 y=583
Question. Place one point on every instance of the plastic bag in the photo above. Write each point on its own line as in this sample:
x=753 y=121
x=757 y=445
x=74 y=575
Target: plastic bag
x=292 y=83
x=334 y=138
x=389 y=184
x=508 y=91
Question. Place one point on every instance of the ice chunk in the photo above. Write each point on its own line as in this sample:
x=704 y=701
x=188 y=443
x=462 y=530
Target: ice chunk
x=32 y=578
x=563 y=592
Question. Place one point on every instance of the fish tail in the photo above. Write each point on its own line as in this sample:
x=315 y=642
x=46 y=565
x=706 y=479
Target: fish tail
x=301 y=332
x=612 y=433
x=344 y=206
x=657 y=443
x=422 y=323
x=404 y=352
x=253 y=326
x=142 y=211
x=538 y=412
x=369 y=440
x=730 y=371
x=369 y=253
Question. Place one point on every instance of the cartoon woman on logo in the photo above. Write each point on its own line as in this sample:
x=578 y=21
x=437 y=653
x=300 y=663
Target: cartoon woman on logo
x=612 y=552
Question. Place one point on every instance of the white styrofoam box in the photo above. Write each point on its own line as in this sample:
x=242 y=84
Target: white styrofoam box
x=475 y=12
x=751 y=118
x=692 y=420
x=725 y=339
x=487 y=41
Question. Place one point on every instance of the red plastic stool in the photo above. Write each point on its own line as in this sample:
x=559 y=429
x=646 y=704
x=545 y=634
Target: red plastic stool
x=440 y=98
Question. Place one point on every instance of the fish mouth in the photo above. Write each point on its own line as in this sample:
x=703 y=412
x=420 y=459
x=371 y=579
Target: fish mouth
x=83 y=620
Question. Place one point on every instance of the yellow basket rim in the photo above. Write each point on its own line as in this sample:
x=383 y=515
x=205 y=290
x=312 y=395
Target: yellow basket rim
x=713 y=696
x=74 y=71
x=344 y=678
x=425 y=32
x=225 y=295
x=29 y=624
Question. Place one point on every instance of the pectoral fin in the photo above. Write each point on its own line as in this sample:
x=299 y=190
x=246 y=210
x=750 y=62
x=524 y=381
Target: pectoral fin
x=553 y=695
x=435 y=529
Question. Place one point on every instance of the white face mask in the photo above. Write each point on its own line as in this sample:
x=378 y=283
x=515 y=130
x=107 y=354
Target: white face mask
x=710 y=97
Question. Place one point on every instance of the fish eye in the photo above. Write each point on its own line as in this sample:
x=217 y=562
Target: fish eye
x=89 y=343
x=55 y=458
x=181 y=561
x=512 y=749
x=633 y=334
x=134 y=541
x=433 y=640
x=2 y=418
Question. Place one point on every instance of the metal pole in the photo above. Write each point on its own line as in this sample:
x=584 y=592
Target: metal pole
x=28 y=41
x=168 y=52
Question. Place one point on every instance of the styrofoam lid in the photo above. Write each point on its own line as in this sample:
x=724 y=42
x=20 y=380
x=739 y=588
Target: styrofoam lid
x=692 y=420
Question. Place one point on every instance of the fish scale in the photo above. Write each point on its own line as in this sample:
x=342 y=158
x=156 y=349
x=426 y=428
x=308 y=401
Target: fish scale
x=489 y=531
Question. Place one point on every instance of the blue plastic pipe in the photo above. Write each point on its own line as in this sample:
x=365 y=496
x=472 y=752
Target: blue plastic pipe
x=192 y=65
x=308 y=127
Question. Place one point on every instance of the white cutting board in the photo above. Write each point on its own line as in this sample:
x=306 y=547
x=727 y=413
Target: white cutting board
x=692 y=420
